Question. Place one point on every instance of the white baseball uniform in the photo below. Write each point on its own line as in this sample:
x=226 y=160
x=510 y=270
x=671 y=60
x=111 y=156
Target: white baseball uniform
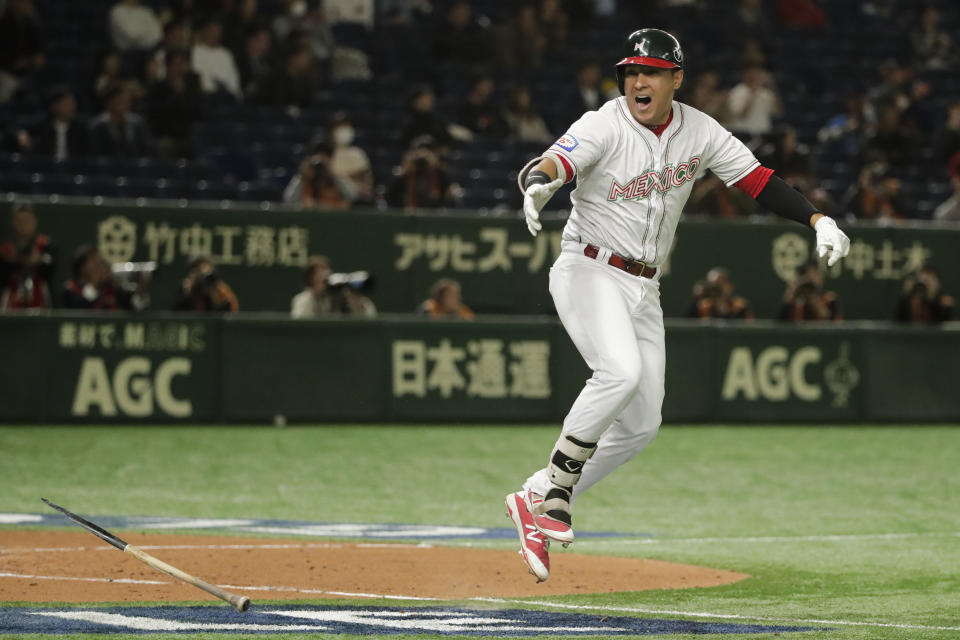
x=632 y=185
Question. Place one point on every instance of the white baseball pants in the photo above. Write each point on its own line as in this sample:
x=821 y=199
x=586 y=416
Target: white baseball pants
x=616 y=323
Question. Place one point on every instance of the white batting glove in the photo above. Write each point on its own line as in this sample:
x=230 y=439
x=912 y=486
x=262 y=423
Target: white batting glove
x=534 y=198
x=830 y=240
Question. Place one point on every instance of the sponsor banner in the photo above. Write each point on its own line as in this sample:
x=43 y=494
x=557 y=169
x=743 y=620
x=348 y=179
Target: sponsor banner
x=502 y=269
x=377 y=621
x=190 y=368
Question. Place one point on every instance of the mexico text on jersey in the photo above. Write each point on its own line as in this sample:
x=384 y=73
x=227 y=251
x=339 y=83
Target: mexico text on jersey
x=643 y=185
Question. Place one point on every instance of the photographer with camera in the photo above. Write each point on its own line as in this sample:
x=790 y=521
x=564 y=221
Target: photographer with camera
x=27 y=263
x=445 y=301
x=327 y=293
x=423 y=179
x=922 y=301
x=204 y=290
x=92 y=285
x=878 y=195
x=713 y=298
x=805 y=300
x=318 y=185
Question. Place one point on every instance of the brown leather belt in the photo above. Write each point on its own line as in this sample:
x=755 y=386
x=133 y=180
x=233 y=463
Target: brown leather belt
x=633 y=267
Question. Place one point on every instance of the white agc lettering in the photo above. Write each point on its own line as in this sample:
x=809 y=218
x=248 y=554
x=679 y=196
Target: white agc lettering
x=133 y=388
x=775 y=376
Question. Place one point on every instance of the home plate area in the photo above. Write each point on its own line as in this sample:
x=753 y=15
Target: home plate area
x=352 y=620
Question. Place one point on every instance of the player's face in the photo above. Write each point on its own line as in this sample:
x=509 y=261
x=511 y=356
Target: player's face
x=649 y=92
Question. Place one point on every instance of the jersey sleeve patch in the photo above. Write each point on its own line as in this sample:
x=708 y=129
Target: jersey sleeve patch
x=567 y=142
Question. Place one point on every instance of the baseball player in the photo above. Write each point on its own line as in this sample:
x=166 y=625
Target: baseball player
x=635 y=160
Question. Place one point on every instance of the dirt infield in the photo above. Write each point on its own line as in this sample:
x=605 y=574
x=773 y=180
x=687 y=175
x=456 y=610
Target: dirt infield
x=56 y=566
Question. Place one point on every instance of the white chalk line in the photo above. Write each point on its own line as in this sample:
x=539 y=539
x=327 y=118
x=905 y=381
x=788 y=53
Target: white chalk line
x=268 y=547
x=537 y=603
x=851 y=537
x=27 y=576
x=721 y=616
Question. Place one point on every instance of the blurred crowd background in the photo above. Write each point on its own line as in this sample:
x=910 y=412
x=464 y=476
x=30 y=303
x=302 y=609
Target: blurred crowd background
x=422 y=104
x=433 y=103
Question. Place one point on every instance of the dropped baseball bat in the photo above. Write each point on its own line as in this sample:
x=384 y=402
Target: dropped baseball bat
x=240 y=603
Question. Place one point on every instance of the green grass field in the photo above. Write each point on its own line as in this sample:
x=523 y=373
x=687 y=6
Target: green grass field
x=852 y=528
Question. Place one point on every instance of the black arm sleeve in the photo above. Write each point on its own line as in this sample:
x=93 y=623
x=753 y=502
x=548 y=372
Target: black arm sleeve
x=785 y=201
x=536 y=177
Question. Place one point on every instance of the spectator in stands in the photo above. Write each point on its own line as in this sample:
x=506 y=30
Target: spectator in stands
x=789 y=158
x=21 y=46
x=890 y=142
x=805 y=299
x=877 y=195
x=553 y=21
x=134 y=27
x=422 y=118
x=589 y=95
x=948 y=137
x=423 y=180
x=445 y=301
x=846 y=133
x=349 y=161
x=176 y=37
x=293 y=85
x=204 y=290
x=317 y=186
x=61 y=134
x=922 y=301
x=893 y=89
x=240 y=18
x=522 y=42
x=752 y=53
x=949 y=209
x=110 y=75
x=753 y=103
x=526 y=125
x=479 y=113
x=214 y=62
x=931 y=44
x=315 y=299
x=708 y=97
x=118 y=132
x=254 y=60
x=325 y=293
x=175 y=105
x=306 y=20
x=91 y=285
x=749 y=20
x=800 y=13
x=713 y=298
x=462 y=37
x=922 y=115
x=27 y=262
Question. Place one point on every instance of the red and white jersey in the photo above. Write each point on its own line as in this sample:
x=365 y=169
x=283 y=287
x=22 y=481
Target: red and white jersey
x=632 y=184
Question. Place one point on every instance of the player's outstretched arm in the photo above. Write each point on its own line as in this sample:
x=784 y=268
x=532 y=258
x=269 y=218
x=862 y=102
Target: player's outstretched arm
x=538 y=182
x=787 y=202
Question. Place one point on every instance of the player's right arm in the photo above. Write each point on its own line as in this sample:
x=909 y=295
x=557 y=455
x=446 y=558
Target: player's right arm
x=583 y=144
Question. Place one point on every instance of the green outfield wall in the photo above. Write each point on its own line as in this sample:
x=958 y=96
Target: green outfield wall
x=251 y=368
x=501 y=267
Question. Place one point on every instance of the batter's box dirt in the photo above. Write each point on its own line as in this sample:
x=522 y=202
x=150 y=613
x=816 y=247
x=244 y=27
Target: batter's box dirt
x=55 y=566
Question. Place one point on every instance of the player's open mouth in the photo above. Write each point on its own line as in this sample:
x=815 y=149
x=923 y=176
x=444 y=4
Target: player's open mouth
x=643 y=100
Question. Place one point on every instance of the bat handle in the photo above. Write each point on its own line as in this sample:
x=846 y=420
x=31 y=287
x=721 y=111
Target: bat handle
x=240 y=603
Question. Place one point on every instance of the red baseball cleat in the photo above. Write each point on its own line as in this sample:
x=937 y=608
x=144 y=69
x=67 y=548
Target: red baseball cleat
x=533 y=545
